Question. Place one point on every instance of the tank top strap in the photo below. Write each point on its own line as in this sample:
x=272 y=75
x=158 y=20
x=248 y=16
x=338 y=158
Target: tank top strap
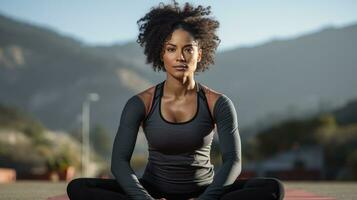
x=204 y=98
x=157 y=94
x=159 y=90
x=201 y=92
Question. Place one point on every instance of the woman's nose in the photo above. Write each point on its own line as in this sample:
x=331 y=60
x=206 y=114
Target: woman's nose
x=181 y=56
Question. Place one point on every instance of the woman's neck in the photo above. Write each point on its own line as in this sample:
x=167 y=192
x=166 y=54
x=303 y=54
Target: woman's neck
x=175 y=87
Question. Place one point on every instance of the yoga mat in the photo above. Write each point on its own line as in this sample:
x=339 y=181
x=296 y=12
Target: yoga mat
x=299 y=194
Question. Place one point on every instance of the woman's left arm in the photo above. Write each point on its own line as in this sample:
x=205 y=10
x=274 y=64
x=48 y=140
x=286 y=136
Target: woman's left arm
x=230 y=145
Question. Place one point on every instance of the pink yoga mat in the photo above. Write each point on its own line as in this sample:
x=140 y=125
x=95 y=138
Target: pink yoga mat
x=298 y=194
x=60 y=197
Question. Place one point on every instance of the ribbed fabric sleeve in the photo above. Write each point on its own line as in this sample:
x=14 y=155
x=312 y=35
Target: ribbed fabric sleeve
x=230 y=145
x=124 y=143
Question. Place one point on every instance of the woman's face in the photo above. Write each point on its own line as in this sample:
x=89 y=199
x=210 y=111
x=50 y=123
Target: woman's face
x=181 y=54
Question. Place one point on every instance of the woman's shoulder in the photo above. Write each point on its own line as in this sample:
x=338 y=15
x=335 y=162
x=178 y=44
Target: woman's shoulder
x=212 y=96
x=211 y=91
x=146 y=96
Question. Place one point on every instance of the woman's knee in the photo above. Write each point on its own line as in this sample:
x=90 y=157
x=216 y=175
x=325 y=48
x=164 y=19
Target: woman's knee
x=280 y=188
x=74 y=187
x=263 y=181
x=272 y=184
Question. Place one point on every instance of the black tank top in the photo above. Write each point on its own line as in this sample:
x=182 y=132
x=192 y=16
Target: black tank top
x=179 y=153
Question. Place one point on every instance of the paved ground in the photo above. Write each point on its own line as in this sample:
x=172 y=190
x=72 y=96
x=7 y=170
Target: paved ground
x=30 y=190
x=338 y=190
x=37 y=190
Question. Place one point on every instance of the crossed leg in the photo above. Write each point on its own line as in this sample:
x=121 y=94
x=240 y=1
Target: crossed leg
x=259 y=188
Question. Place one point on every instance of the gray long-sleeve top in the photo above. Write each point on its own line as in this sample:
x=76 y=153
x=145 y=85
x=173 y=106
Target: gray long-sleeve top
x=179 y=153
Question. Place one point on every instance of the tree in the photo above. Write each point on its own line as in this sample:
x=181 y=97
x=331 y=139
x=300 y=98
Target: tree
x=101 y=141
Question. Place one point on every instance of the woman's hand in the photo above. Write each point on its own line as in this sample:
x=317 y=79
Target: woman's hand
x=188 y=80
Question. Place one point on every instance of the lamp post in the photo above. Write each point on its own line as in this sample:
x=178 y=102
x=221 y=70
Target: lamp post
x=85 y=131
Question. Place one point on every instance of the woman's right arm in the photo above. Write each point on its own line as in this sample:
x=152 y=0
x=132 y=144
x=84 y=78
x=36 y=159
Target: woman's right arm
x=124 y=143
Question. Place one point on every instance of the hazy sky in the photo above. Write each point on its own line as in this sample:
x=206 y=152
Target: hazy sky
x=242 y=22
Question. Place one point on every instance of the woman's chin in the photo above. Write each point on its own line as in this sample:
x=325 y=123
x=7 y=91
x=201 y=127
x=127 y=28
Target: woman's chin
x=179 y=74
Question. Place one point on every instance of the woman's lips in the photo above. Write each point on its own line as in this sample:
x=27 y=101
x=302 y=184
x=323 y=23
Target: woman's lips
x=181 y=67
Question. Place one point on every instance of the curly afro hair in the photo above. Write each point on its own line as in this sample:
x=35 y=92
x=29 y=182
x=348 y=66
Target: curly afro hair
x=158 y=24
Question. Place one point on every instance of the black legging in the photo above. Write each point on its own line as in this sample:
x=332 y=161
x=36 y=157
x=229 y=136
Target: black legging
x=109 y=189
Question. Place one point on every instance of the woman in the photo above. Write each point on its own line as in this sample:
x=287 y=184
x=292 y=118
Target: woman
x=178 y=116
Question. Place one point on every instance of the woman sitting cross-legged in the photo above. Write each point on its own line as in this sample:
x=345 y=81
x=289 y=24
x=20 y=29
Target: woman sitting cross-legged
x=178 y=116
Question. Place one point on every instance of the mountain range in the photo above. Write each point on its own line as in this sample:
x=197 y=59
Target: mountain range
x=50 y=75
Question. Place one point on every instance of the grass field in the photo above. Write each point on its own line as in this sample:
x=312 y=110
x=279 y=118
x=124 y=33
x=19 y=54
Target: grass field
x=38 y=190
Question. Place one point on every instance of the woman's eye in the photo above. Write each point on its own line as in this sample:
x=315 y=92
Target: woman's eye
x=170 y=50
x=190 y=50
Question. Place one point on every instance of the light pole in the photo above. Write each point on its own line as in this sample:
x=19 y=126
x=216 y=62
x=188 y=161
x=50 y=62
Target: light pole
x=85 y=131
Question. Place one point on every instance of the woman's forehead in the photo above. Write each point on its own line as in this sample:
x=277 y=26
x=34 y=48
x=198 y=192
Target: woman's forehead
x=182 y=44
x=182 y=38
